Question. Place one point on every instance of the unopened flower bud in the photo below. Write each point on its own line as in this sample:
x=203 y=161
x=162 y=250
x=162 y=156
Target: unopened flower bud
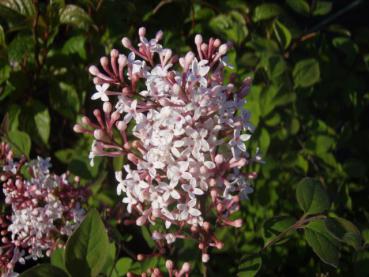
x=114 y=53
x=126 y=42
x=205 y=257
x=107 y=108
x=93 y=70
x=219 y=159
x=142 y=31
x=121 y=125
x=122 y=60
x=223 y=49
x=159 y=35
x=78 y=128
x=169 y=264
x=85 y=120
x=115 y=116
x=104 y=61
x=216 y=43
x=186 y=267
x=99 y=134
x=198 y=40
x=140 y=257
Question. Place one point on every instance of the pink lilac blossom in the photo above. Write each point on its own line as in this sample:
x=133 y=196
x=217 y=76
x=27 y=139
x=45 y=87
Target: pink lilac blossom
x=41 y=209
x=182 y=130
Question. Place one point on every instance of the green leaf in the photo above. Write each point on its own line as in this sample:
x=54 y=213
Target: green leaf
x=306 y=73
x=361 y=264
x=311 y=196
x=264 y=140
x=42 y=122
x=22 y=7
x=322 y=7
x=2 y=37
x=64 y=99
x=87 y=249
x=276 y=225
x=20 y=141
x=266 y=11
x=44 y=270
x=65 y=155
x=21 y=48
x=17 y=11
x=231 y=25
x=13 y=113
x=299 y=6
x=347 y=47
x=249 y=267
x=57 y=258
x=109 y=264
x=283 y=34
x=343 y=230
x=75 y=16
x=75 y=45
x=322 y=243
x=121 y=267
x=147 y=237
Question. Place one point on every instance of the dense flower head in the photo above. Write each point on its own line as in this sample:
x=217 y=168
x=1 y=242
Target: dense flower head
x=41 y=209
x=183 y=131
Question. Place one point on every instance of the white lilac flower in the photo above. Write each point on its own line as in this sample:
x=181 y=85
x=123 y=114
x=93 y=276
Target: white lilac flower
x=101 y=92
x=183 y=130
x=42 y=208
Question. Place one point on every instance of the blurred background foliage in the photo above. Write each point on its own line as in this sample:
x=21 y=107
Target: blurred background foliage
x=310 y=102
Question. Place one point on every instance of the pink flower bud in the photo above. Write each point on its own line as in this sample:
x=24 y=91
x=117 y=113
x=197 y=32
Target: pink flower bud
x=169 y=264
x=78 y=128
x=99 y=134
x=142 y=31
x=107 y=108
x=114 y=53
x=198 y=40
x=205 y=257
x=115 y=116
x=159 y=35
x=121 y=125
x=223 y=49
x=122 y=60
x=93 y=70
x=126 y=43
x=104 y=61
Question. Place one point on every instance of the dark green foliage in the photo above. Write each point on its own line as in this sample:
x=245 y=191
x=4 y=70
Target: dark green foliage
x=309 y=101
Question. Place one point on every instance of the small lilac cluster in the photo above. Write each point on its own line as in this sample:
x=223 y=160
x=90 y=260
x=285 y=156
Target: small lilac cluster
x=172 y=271
x=183 y=131
x=41 y=209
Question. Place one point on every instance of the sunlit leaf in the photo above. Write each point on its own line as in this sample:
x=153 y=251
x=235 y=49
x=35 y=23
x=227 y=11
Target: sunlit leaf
x=322 y=243
x=87 y=249
x=75 y=16
x=20 y=141
x=306 y=73
x=249 y=267
x=311 y=196
x=343 y=230
x=266 y=11
x=283 y=34
x=299 y=6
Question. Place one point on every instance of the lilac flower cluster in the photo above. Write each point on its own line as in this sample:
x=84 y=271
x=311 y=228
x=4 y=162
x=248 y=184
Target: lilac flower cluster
x=41 y=209
x=183 y=131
